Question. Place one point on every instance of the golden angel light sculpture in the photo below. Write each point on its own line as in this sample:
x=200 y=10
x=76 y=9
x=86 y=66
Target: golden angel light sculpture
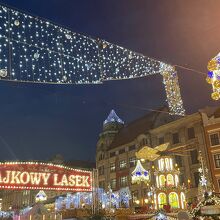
x=151 y=154
x=139 y=174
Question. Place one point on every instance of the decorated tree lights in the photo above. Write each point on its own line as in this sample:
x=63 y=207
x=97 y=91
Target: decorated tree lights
x=209 y=204
x=168 y=192
x=213 y=76
x=204 y=183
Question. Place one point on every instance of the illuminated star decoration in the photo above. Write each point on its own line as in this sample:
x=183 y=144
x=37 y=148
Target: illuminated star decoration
x=36 y=50
x=213 y=76
x=139 y=174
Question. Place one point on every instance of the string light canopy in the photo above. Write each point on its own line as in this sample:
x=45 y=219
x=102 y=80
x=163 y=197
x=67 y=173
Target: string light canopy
x=38 y=51
x=139 y=174
x=213 y=76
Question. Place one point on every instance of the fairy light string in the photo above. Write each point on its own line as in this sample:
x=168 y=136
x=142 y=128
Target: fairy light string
x=37 y=51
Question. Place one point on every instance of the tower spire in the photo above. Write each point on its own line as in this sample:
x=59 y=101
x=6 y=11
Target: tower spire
x=113 y=117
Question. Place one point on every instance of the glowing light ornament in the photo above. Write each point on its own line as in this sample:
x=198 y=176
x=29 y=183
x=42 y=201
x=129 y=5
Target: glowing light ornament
x=41 y=196
x=213 y=76
x=161 y=216
x=139 y=174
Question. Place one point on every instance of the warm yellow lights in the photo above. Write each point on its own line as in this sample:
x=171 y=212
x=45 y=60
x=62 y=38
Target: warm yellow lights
x=165 y=163
x=146 y=201
x=137 y=202
x=215 y=96
x=216 y=84
x=175 y=103
x=208 y=80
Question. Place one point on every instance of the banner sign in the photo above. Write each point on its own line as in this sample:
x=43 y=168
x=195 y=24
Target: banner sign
x=33 y=175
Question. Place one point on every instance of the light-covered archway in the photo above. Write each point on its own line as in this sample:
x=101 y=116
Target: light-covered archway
x=162 y=200
x=174 y=200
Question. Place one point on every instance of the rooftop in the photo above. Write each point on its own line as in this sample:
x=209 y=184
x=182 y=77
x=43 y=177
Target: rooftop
x=130 y=131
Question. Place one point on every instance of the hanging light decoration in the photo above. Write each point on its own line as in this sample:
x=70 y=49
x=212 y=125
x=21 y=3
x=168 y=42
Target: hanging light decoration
x=213 y=76
x=43 y=52
x=139 y=174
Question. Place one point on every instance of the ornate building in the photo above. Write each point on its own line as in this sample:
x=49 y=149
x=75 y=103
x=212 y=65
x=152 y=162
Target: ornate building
x=118 y=142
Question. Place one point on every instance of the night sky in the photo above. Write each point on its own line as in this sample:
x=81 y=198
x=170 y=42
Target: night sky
x=39 y=121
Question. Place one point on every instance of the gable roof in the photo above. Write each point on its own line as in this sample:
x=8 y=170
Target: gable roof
x=130 y=131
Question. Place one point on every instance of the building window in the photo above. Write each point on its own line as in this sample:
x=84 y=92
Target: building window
x=161 y=140
x=143 y=142
x=178 y=160
x=194 y=156
x=132 y=161
x=112 y=154
x=132 y=147
x=134 y=195
x=112 y=167
x=214 y=138
x=102 y=184
x=191 y=133
x=217 y=160
x=176 y=138
x=122 y=164
x=113 y=183
x=121 y=151
x=196 y=178
x=101 y=157
x=123 y=181
x=181 y=179
x=101 y=170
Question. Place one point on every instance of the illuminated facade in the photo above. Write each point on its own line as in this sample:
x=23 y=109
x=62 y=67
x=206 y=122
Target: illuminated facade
x=118 y=143
x=168 y=190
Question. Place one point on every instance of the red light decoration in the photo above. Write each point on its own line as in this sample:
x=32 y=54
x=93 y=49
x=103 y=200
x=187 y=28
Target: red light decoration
x=43 y=176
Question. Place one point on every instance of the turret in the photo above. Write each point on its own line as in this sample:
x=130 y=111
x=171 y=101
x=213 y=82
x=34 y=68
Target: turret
x=111 y=127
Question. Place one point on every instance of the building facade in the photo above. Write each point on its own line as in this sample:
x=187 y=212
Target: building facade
x=212 y=135
x=118 y=142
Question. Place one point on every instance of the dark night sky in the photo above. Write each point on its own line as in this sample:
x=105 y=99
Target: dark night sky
x=39 y=121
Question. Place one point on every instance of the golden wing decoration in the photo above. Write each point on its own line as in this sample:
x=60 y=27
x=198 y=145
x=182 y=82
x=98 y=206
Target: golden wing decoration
x=162 y=147
x=152 y=154
x=147 y=153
